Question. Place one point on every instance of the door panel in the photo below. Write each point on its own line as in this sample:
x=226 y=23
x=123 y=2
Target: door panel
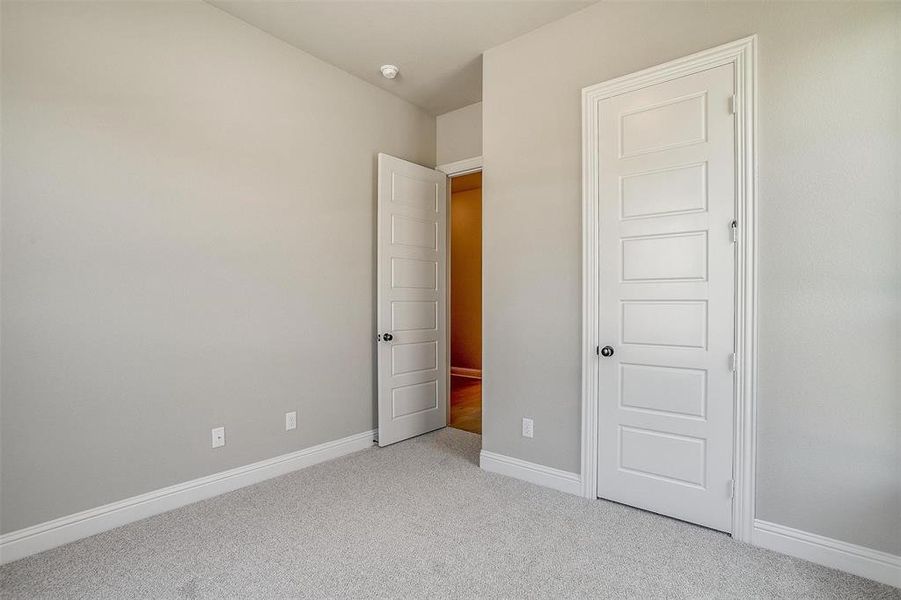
x=666 y=186
x=673 y=390
x=681 y=256
x=412 y=370
x=665 y=192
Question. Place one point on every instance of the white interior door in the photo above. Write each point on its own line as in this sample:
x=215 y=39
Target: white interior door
x=412 y=368
x=667 y=201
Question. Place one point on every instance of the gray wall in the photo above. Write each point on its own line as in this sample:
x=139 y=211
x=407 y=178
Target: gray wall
x=830 y=243
x=187 y=241
x=459 y=134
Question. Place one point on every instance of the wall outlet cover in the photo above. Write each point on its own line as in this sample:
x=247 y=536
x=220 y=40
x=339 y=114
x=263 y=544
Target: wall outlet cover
x=528 y=427
x=290 y=420
x=218 y=437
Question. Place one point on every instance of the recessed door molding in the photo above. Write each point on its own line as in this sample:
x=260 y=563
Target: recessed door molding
x=743 y=55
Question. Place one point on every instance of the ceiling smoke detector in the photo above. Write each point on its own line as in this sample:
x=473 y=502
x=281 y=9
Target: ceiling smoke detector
x=389 y=71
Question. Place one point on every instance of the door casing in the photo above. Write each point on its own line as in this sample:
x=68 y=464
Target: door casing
x=743 y=55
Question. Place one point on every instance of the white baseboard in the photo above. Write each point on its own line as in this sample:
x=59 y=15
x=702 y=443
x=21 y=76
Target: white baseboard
x=859 y=560
x=563 y=481
x=464 y=372
x=44 y=536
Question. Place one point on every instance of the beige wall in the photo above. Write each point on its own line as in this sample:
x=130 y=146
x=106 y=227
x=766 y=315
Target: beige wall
x=830 y=256
x=187 y=242
x=459 y=134
x=466 y=271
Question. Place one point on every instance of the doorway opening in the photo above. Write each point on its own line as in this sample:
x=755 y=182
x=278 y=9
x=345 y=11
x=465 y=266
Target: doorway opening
x=465 y=287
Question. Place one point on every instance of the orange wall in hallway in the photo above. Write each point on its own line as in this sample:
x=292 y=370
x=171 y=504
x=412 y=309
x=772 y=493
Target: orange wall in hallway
x=466 y=271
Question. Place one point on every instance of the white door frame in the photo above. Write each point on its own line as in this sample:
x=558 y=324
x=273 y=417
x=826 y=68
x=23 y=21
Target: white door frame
x=743 y=54
x=461 y=167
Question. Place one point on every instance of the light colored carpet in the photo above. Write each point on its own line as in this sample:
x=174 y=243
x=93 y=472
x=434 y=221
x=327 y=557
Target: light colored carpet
x=417 y=520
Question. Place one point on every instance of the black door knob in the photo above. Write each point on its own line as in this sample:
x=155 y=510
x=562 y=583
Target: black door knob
x=607 y=351
x=387 y=337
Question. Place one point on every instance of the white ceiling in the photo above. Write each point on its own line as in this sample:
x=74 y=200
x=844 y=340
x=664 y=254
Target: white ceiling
x=436 y=44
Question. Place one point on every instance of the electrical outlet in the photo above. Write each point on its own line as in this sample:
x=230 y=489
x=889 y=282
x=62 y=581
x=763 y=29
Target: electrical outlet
x=290 y=420
x=528 y=427
x=218 y=435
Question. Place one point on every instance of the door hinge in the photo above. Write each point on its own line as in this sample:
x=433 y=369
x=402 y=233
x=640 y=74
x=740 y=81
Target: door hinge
x=733 y=362
x=731 y=488
x=733 y=226
x=733 y=104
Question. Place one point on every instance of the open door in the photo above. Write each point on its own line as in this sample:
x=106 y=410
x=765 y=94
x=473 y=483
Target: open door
x=412 y=326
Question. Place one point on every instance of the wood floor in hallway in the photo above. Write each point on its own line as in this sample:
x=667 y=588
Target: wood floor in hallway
x=466 y=404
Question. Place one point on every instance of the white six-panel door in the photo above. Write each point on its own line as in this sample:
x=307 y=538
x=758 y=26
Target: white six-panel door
x=666 y=189
x=412 y=368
